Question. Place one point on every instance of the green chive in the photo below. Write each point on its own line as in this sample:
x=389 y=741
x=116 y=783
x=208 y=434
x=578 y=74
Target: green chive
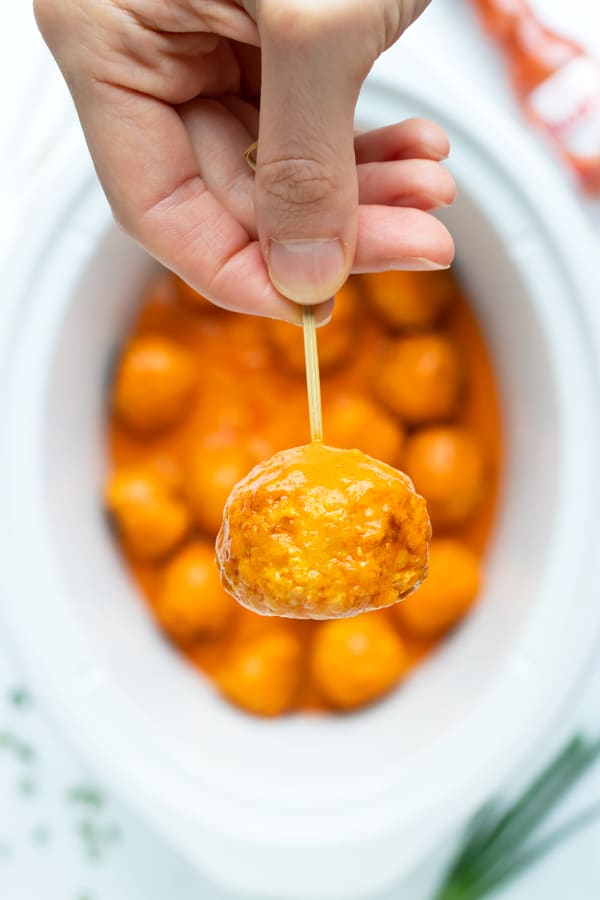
x=496 y=847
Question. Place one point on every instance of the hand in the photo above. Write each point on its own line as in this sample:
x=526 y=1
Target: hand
x=168 y=93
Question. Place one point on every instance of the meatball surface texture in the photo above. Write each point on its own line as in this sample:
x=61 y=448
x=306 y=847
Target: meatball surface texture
x=321 y=533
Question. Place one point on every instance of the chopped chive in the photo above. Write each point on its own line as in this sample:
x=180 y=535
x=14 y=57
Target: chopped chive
x=86 y=795
x=19 y=697
x=27 y=787
x=90 y=838
x=25 y=752
x=14 y=744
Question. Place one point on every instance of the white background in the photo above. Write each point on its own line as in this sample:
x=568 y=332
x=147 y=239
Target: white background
x=43 y=828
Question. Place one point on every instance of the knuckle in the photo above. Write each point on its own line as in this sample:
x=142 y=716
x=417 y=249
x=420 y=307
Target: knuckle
x=296 y=182
x=292 y=21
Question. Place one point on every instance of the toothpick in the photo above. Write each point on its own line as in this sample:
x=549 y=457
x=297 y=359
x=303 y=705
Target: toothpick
x=313 y=380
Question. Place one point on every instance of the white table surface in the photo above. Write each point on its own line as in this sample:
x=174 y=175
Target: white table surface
x=59 y=839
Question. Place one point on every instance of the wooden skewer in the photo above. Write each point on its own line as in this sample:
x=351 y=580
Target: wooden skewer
x=313 y=379
x=311 y=353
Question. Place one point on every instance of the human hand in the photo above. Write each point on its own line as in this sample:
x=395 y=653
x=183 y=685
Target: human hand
x=168 y=94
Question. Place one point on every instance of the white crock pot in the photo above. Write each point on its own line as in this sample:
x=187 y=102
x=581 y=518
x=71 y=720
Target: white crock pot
x=307 y=807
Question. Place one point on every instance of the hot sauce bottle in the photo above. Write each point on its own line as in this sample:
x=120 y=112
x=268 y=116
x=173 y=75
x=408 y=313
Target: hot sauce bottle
x=557 y=81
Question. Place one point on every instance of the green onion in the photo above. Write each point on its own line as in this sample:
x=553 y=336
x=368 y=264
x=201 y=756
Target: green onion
x=501 y=845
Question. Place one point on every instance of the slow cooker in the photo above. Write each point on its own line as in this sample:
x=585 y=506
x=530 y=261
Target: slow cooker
x=308 y=807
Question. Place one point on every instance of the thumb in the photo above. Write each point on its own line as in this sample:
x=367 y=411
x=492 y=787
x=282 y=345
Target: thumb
x=306 y=192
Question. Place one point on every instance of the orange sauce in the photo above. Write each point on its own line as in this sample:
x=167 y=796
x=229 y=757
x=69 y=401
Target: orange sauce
x=235 y=360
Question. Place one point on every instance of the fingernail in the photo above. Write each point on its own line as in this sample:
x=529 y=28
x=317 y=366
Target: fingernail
x=433 y=152
x=324 y=312
x=419 y=264
x=307 y=271
x=406 y=264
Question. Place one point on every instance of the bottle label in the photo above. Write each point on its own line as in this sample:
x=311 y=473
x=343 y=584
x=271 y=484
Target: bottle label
x=568 y=105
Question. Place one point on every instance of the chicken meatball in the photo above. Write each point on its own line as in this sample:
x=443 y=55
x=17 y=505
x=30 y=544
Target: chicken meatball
x=354 y=421
x=410 y=300
x=211 y=473
x=154 y=384
x=447 y=466
x=263 y=675
x=420 y=378
x=320 y=533
x=148 y=513
x=448 y=592
x=191 y=604
x=355 y=661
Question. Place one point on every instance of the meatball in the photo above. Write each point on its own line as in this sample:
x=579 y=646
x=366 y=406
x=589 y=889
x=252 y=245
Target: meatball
x=319 y=533
x=263 y=675
x=447 y=593
x=211 y=473
x=447 y=466
x=420 y=378
x=335 y=340
x=247 y=343
x=410 y=300
x=150 y=516
x=282 y=419
x=224 y=408
x=355 y=661
x=154 y=384
x=191 y=603
x=354 y=421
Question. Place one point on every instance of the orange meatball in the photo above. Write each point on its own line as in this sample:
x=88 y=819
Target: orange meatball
x=263 y=675
x=280 y=433
x=281 y=419
x=191 y=604
x=420 y=378
x=410 y=300
x=355 y=661
x=248 y=345
x=335 y=340
x=352 y=420
x=446 y=465
x=223 y=410
x=446 y=594
x=212 y=472
x=154 y=384
x=149 y=515
x=318 y=533
x=168 y=469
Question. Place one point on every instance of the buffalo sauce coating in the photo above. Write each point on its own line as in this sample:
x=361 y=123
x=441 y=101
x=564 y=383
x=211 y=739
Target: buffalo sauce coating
x=317 y=532
x=246 y=396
